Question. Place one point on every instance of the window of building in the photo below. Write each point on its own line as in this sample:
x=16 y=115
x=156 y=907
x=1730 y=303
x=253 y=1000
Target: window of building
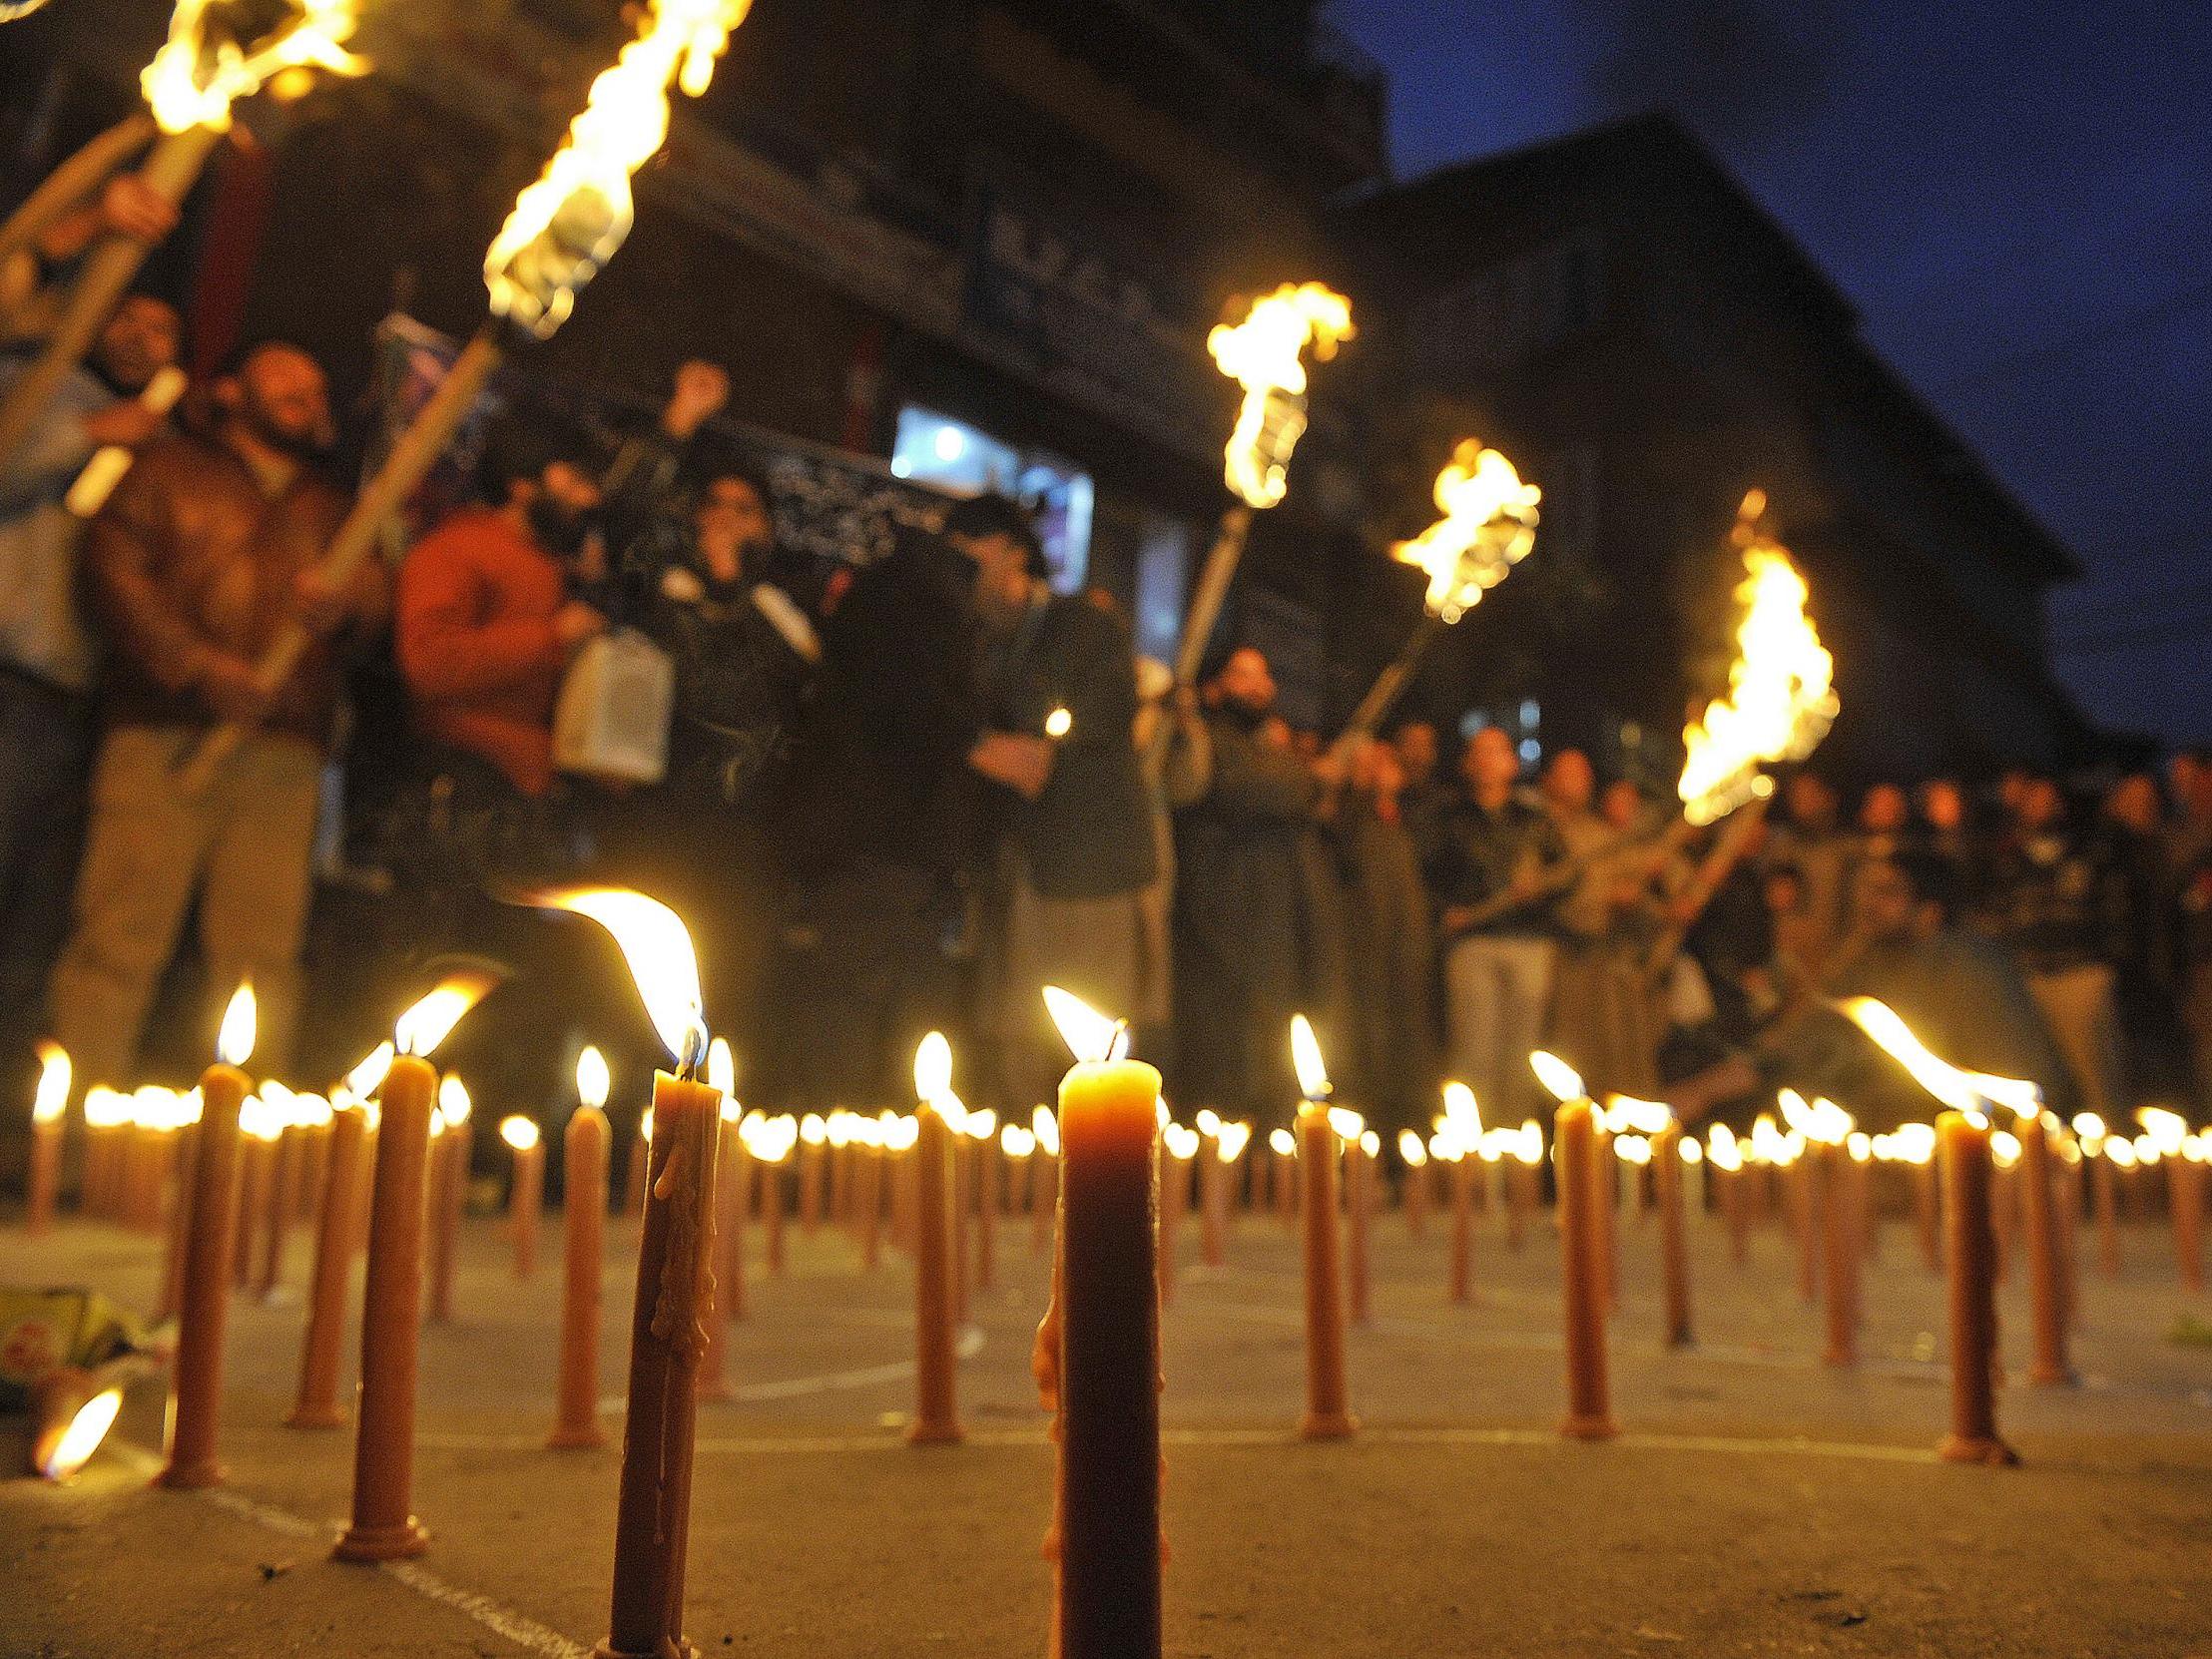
x=933 y=448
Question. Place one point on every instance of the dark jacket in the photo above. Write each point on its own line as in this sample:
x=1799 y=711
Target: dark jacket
x=879 y=769
x=738 y=687
x=1238 y=877
x=1089 y=833
x=191 y=561
x=2056 y=899
x=1481 y=852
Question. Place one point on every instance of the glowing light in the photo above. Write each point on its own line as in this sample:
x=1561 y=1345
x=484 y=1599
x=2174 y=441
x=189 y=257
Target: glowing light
x=662 y=962
x=722 y=1068
x=518 y=1132
x=570 y=222
x=1963 y=1091
x=1058 y=724
x=88 y=1426
x=2167 y=1130
x=1411 y=1149
x=1182 y=1143
x=453 y=1100
x=1722 y=1150
x=1283 y=1142
x=312 y=1111
x=234 y=1043
x=1462 y=1111
x=813 y=1130
x=1691 y=1153
x=1016 y=1141
x=1780 y=691
x=593 y=1081
x=1313 y=1075
x=981 y=1126
x=1641 y=1117
x=1632 y=1149
x=421 y=1028
x=1914 y=1143
x=1046 y=1127
x=1821 y=1120
x=1560 y=1080
x=368 y=1077
x=1489 y=524
x=52 y=1097
x=197 y=74
x=1262 y=355
x=932 y=1068
x=1089 y=1035
x=1230 y=1144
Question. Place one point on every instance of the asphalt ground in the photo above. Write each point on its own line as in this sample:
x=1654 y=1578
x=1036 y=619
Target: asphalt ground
x=1757 y=1503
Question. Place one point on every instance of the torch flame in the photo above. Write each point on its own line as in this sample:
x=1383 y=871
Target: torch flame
x=1262 y=354
x=592 y=1077
x=659 y=951
x=1090 y=1036
x=234 y=1043
x=1560 y=1080
x=82 y=1437
x=53 y=1082
x=196 y=76
x=1780 y=691
x=422 y=1027
x=1964 y=1091
x=932 y=1068
x=518 y=1132
x=570 y=222
x=1313 y=1075
x=1489 y=524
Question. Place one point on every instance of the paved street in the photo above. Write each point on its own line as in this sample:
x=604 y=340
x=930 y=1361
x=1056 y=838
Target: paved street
x=1758 y=1502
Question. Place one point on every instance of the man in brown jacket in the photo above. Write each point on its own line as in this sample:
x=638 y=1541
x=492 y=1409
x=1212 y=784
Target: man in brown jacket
x=205 y=550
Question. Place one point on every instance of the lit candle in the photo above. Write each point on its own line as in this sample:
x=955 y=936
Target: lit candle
x=1574 y=1151
x=260 y=1128
x=1915 y=1144
x=937 y=1417
x=1328 y=1415
x=1360 y=1147
x=2045 y=1271
x=336 y=1229
x=1107 y=1363
x=287 y=1152
x=813 y=1136
x=1971 y=1257
x=1182 y=1146
x=1282 y=1176
x=585 y=1145
x=1213 y=1191
x=674 y=1300
x=2103 y=1190
x=526 y=1191
x=770 y=1146
x=176 y=1242
x=2181 y=1155
x=1725 y=1158
x=449 y=1188
x=1459 y=1185
x=982 y=1133
x=47 y=1107
x=1671 y=1152
x=385 y=1528
x=196 y=1389
x=1832 y=1220
x=72 y=1411
x=1045 y=1178
x=1018 y=1146
x=1415 y=1156
x=1520 y=1182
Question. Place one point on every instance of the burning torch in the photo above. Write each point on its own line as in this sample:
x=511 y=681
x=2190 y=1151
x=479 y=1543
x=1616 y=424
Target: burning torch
x=1264 y=354
x=190 y=88
x=563 y=227
x=1781 y=702
x=1488 y=526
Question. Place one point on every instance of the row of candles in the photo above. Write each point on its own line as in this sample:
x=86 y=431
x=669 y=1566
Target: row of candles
x=693 y=1233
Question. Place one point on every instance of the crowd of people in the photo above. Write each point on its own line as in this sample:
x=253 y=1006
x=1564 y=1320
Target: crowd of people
x=904 y=794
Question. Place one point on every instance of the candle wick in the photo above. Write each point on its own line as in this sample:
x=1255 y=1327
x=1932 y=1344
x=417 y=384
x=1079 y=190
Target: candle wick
x=694 y=1050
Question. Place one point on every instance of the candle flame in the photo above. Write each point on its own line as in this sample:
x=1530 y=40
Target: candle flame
x=1461 y=1110
x=1262 y=355
x=422 y=1027
x=197 y=74
x=1964 y=1091
x=1046 y=1126
x=1347 y=1124
x=1283 y=1142
x=1411 y=1149
x=260 y=1119
x=1489 y=524
x=1780 y=691
x=570 y=222
x=1560 y=1080
x=933 y=1068
x=1692 y=1153
x=1182 y=1142
x=1016 y=1141
x=87 y=1429
x=659 y=951
x=1529 y=1147
x=453 y=1101
x=813 y=1130
x=1858 y=1146
x=105 y=1108
x=1313 y=1075
x=518 y=1132
x=593 y=1081
x=312 y=1111
x=1230 y=1144
x=721 y=1067
x=368 y=1076
x=53 y=1082
x=2088 y=1126
x=772 y=1139
x=1091 y=1037
x=1632 y=1149
x=1641 y=1117
x=234 y=1043
x=2167 y=1129
x=1819 y=1121
x=1058 y=724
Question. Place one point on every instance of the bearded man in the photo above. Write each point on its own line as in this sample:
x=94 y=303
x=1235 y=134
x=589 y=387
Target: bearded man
x=205 y=551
